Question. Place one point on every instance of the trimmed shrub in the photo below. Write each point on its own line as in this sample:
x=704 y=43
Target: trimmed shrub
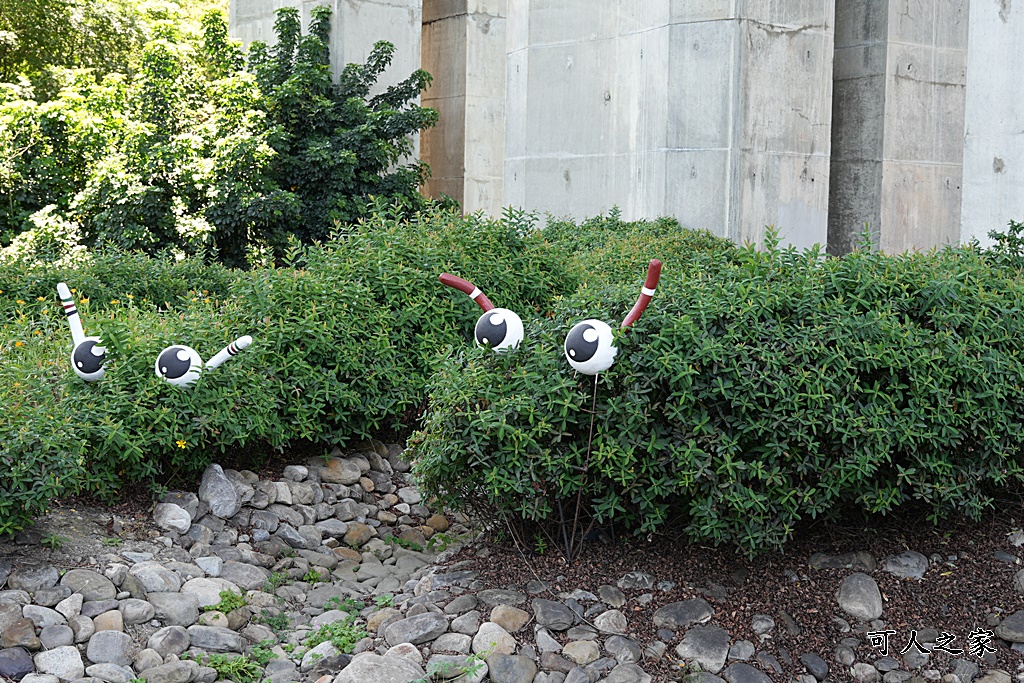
x=760 y=389
x=343 y=343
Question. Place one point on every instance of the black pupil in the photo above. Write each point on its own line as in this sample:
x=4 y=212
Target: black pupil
x=489 y=333
x=170 y=365
x=85 y=360
x=578 y=348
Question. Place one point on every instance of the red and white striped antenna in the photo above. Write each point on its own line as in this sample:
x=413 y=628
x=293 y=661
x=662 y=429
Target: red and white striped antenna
x=646 y=293
x=468 y=288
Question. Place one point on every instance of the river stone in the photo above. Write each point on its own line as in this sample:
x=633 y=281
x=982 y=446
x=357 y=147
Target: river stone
x=455 y=668
x=369 y=667
x=170 y=640
x=5 y=570
x=31 y=579
x=340 y=471
x=738 y=672
x=629 y=673
x=111 y=673
x=858 y=596
x=155 y=577
x=510 y=618
x=582 y=652
x=217 y=491
x=91 y=585
x=492 y=638
x=676 y=615
x=624 y=649
x=82 y=628
x=416 y=630
x=43 y=616
x=706 y=645
x=94 y=608
x=357 y=534
x=114 y=647
x=1012 y=628
x=632 y=580
x=48 y=597
x=109 y=621
x=136 y=611
x=15 y=663
x=245 y=576
x=865 y=673
x=860 y=560
x=504 y=668
x=56 y=636
x=498 y=596
x=172 y=672
x=553 y=615
x=909 y=564
x=63 y=662
x=815 y=665
x=207 y=591
x=611 y=621
x=322 y=651
x=21 y=633
x=175 y=609
x=214 y=639
x=147 y=659
x=70 y=606
x=9 y=614
x=171 y=517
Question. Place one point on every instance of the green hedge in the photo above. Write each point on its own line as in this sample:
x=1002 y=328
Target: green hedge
x=760 y=389
x=344 y=341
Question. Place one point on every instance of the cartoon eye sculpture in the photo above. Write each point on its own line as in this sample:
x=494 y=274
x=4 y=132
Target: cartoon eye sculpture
x=181 y=365
x=499 y=328
x=588 y=346
x=87 y=356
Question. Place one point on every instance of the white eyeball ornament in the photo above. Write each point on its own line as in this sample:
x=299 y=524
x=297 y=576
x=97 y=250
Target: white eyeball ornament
x=181 y=365
x=87 y=356
x=588 y=346
x=499 y=328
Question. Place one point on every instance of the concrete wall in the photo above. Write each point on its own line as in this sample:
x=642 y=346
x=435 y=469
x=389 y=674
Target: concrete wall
x=993 y=191
x=464 y=50
x=665 y=107
x=355 y=27
x=898 y=122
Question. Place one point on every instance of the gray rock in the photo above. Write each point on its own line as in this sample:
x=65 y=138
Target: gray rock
x=64 y=662
x=741 y=650
x=111 y=673
x=634 y=580
x=215 y=639
x=582 y=652
x=340 y=471
x=43 y=616
x=186 y=500
x=858 y=596
x=40 y=678
x=170 y=640
x=322 y=651
x=217 y=491
x=245 y=576
x=627 y=673
x=155 y=577
x=625 y=650
x=207 y=591
x=611 y=596
x=56 y=636
x=368 y=666
x=456 y=667
x=739 y=672
x=332 y=528
x=504 y=668
x=762 y=623
x=467 y=623
x=611 y=621
x=461 y=604
x=964 y=670
x=70 y=606
x=552 y=615
x=708 y=646
x=909 y=564
x=816 y=666
x=1012 y=628
x=15 y=663
x=48 y=597
x=492 y=638
x=112 y=647
x=416 y=630
x=31 y=579
x=295 y=472
x=409 y=495
x=497 y=596
x=147 y=659
x=865 y=673
x=172 y=672
x=94 y=608
x=676 y=615
x=81 y=627
x=860 y=560
x=170 y=517
x=175 y=609
x=5 y=570
x=136 y=611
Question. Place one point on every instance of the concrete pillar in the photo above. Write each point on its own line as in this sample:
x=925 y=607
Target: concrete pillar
x=994 y=144
x=464 y=50
x=715 y=112
x=355 y=26
x=898 y=123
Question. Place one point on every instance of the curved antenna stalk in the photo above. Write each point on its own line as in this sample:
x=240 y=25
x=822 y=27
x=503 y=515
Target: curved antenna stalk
x=468 y=288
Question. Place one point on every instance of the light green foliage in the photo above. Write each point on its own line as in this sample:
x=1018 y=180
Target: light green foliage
x=192 y=154
x=54 y=542
x=237 y=668
x=275 y=622
x=384 y=600
x=407 y=544
x=761 y=388
x=343 y=634
x=229 y=600
x=353 y=607
x=261 y=653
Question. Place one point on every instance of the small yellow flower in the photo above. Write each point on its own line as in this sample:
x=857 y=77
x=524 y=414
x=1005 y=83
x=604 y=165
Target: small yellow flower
x=37 y=332
x=181 y=443
x=193 y=299
x=130 y=297
x=206 y=301
x=115 y=301
x=84 y=300
x=19 y=343
x=19 y=301
x=40 y=298
x=73 y=290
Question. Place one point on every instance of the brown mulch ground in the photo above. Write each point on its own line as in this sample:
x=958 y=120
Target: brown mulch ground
x=954 y=597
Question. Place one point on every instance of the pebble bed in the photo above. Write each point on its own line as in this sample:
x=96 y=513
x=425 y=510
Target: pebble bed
x=349 y=540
